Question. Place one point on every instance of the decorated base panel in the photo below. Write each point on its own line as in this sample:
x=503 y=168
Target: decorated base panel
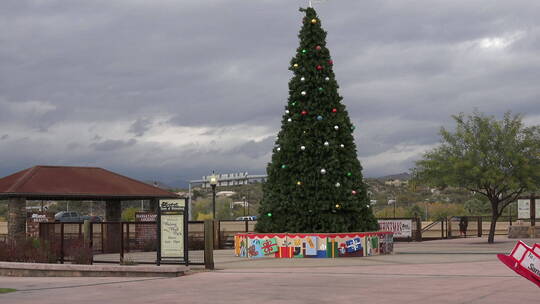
x=313 y=245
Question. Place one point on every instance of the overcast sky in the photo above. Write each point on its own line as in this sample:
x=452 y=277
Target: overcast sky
x=170 y=90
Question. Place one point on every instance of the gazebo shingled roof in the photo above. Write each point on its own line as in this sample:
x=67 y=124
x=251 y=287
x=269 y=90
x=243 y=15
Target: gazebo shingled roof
x=81 y=183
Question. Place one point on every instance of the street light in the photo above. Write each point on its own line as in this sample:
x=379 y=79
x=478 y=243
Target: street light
x=213 y=183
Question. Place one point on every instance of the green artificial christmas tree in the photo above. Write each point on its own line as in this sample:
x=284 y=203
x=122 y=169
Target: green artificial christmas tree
x=315 y=180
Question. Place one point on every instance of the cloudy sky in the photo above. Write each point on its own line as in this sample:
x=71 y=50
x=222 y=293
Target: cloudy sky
x=170 y=90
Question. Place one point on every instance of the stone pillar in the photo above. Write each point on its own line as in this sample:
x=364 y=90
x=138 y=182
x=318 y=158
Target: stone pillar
x=16 y=218
x=113 y=213
x=154 y=205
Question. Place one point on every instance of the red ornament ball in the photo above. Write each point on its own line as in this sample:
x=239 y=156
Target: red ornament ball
x=353 y=192
x=330 y=62
x=319 y=67
x=318 y=48
x=334 y=110
x=304 y=112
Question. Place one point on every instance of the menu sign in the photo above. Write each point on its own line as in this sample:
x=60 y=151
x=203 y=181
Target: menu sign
x=171 y=228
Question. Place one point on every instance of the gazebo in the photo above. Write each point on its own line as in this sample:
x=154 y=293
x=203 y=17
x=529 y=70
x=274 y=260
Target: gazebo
x=72 y=183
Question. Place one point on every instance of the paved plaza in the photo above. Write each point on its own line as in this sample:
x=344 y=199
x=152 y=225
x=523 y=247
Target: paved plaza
x=446 y=271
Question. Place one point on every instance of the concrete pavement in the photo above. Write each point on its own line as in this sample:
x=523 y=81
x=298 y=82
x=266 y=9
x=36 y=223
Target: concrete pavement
x=448 y=271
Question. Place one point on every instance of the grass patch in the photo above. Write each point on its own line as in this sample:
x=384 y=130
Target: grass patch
x=6 y=290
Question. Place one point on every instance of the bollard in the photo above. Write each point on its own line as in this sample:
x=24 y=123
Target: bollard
x=208 y=244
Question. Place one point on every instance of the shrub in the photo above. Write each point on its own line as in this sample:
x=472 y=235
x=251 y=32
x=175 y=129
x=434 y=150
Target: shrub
x=29 y=250
x=78 y=252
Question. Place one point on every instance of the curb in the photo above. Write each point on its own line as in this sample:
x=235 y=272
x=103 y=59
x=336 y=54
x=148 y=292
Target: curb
x=72 y=270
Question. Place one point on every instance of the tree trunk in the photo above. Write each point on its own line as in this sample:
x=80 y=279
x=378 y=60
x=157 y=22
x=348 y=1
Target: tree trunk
x=494 y=217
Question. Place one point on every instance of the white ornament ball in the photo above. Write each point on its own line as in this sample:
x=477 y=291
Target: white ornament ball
x=279 y=149
x=327 y=78
x=302 y=148
x=303 y=93
x=342 y=145
x=338 y=185
x=336 y=127
x=302 y=79
x=289 y=120
x=323 y=171
x=287 y=111
x=326 y=144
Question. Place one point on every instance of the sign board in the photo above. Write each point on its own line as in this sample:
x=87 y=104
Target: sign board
x=172 y=231
x=400 y=228
x=524 y=209
x=145 y=217
x=524 y=260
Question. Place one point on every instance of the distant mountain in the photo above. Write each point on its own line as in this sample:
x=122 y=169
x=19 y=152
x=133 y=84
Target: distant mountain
x=400 y=176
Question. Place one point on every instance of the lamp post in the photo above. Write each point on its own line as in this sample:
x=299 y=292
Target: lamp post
x=213 y=183
x=394 y=203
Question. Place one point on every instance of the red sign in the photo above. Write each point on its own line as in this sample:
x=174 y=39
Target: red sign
x=525 y=261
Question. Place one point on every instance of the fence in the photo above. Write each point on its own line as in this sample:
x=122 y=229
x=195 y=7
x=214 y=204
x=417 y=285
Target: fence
x=119 y=242
x=444 y=228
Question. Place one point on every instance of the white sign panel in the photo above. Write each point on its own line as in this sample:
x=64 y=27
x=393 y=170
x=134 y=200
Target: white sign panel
x=524 y=208
x=172 y=228
x=400 y=228
x=531 y=262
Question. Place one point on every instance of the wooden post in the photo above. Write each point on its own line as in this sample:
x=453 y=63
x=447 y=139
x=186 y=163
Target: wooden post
x=102 y=239
x=127 y=237
x=532 y=232
x=449 y=227
x=442 y=228
x=479 y=232
x=418 y=229
x=208 y=244
x=86 y=233
x=121 y=242
x=533 y=210
x=61 y=243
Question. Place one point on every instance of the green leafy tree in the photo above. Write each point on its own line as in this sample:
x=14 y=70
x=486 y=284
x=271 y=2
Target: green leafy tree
x=315 y=179
x=498 y=159
x=477 y=206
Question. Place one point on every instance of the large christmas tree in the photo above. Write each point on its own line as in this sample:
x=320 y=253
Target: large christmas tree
x=315 y=180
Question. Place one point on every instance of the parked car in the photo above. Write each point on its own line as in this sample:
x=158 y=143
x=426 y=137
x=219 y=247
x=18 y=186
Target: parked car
x=246 y=218
x=72 y=216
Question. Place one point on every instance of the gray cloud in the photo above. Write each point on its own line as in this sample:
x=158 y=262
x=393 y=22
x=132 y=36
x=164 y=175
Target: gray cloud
x=140 y=126
x=202 y=85
x=113 y=144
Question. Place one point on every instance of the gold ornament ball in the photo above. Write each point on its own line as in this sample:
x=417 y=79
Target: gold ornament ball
x=338 y=206
x=295 y=65
x=299 y=183
x=313 y=20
